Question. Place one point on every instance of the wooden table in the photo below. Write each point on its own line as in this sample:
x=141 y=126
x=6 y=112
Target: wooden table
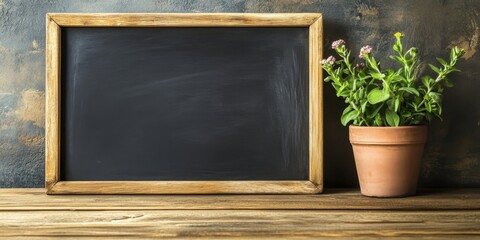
x=438 y=213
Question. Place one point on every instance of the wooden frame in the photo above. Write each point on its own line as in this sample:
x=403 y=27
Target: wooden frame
x=54 y=23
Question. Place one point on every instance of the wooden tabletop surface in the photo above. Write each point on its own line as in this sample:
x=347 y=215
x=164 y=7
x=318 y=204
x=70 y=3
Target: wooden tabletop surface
x=343 y=213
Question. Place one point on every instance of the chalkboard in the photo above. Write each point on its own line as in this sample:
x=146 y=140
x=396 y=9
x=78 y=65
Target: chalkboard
x=184 y=104
x=180 y=103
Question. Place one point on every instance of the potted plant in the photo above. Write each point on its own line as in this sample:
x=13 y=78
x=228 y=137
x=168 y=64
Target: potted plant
x=389 y=110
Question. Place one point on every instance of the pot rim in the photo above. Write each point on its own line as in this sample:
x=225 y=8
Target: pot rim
x=402 y=135
x=389 y=127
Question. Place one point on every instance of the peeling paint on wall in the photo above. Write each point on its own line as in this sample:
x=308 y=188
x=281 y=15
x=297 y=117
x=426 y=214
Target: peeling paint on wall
x=35 y=140
x=35 y=45
x=31 y=107
x=365 y=10
x=279 y=6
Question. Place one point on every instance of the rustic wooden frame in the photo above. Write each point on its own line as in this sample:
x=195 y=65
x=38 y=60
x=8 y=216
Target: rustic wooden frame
x=54 y=23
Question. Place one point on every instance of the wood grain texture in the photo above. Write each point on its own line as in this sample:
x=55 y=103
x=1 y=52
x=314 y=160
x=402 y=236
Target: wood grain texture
x=316 y=104
x=332 y=199
x=57 y=20
x=183 y=187
x=184 y=20
x=52 y=109
x=341 y=213
x=232 y=223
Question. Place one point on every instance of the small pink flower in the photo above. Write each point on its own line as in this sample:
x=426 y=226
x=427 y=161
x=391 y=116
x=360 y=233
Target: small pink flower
x=364 y=51
x=338 y=43
x=330 y=60
x=359 y=65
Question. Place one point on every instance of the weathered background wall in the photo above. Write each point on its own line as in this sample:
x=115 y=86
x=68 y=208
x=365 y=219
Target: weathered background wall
x=452 y=157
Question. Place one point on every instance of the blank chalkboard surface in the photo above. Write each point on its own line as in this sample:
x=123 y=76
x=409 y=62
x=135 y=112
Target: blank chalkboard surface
x=184 y=103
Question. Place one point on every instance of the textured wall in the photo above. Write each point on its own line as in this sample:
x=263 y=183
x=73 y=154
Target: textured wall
x=452 y=156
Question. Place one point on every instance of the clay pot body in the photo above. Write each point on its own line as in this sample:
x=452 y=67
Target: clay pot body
x=388 y=159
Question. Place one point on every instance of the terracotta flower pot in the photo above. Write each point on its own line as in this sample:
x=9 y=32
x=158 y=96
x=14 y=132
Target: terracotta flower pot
x=388 y=159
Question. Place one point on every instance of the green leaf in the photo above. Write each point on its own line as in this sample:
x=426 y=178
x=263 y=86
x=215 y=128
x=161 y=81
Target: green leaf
x=396 y=48
x=363 y=77
x=398 y=59
x=410 y=90
x=379 y=76
x=376 y=110
x=406 y=115
x=392 y=118
x=390 y=75
x=397 y=104
x=412 y=52
x=436 y=97
x=337 y=71
x=348 y=115
x=426 y=81
x=364 y=106
x=340 y=91
x=435 y=69
x=361 y=91
x=374 y=63
x=376 y=96
x=441 y=61
x=378 y=121
x=428 y=106
x=447 y=83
